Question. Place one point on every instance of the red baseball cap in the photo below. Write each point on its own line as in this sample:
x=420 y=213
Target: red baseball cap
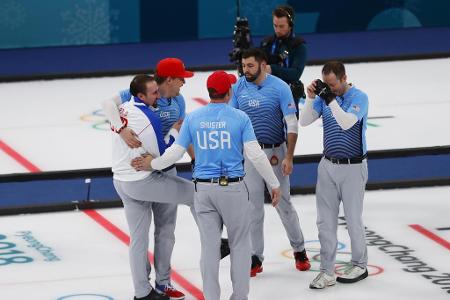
x=220 y=81
x=172 y=67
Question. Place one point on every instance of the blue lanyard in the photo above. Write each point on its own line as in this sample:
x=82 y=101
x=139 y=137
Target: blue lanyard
x=274 y=47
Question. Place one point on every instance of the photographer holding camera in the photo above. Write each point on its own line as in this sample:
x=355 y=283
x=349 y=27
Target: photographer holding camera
x=286 y=53
x=342 y=172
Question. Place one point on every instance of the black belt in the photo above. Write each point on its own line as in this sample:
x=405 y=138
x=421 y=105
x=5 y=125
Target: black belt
x=264 y=146
x=346 y=161
x=216 y=179
x=168 y=168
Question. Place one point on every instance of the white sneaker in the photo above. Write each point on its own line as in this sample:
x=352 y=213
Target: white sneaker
x=353 y=274
x=322 y=281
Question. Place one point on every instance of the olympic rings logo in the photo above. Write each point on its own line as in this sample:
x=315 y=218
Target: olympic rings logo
x=98 y=118
x=342 y=258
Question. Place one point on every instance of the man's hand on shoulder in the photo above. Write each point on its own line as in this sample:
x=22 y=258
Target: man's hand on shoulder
x=130 y=138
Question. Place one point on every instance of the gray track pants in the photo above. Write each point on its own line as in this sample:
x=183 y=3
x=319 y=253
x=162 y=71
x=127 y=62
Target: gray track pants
x=216 y=206
x=285 y=209
x=160 y=192
x=336 y=183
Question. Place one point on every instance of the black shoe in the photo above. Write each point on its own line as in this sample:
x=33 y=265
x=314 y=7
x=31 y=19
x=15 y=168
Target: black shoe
x=153 y=296
x=353 y=274
x=256 y=266
x=224 y=248
x=301 y=261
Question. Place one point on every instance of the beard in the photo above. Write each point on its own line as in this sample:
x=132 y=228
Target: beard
x=283 y=36
x=252 y=77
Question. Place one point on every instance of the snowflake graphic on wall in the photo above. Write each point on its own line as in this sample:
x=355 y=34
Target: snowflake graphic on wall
x=89 y=23
x=12 y=14
x=259 y=13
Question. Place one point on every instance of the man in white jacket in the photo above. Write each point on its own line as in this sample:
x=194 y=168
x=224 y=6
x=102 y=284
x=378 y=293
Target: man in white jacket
x=143 y=192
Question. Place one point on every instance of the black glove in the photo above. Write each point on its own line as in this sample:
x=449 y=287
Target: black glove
x=297 y=89
x=323 y=91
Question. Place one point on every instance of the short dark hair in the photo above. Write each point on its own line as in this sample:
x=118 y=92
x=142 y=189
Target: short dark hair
x=160 y=79
x=285 y=10
x=334 y=66
x=139 y=84
x=213 y=94
x=257 y=53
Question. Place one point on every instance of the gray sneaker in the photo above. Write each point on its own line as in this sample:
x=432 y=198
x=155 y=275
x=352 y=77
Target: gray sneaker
x=322 y=281
x=354 y=274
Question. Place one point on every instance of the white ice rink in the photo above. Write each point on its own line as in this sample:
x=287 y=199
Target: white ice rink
x=88 y=259
x=57 y=125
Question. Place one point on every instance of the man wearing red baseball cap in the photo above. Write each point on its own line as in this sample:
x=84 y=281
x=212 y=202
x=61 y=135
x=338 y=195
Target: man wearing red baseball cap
x=172 y=67
x=220 y=135
x=170 y=110
x=221 y=82
x=170 y=74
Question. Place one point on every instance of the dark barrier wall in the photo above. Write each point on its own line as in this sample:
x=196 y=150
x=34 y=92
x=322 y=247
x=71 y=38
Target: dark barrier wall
x=169 y=20
x=25 y=23
x=110 y=60
x=93 y=188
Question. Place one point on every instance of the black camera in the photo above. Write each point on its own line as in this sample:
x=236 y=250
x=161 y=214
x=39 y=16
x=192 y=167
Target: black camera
x=323 y=91
x=241 y=41
x=321 y=88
